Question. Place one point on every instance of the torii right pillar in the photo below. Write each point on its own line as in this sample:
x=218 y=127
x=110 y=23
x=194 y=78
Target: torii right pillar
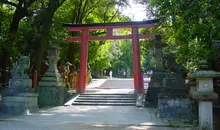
x=138 y=80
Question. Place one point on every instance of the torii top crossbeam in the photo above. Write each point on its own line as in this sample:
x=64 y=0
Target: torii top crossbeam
x=109 y=27
x=98 y=26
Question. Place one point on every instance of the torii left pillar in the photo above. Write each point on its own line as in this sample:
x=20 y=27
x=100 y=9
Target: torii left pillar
x=81 y=87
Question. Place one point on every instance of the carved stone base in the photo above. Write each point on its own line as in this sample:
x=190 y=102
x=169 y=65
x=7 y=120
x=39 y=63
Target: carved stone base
x=17 y=86
x=174 y=103
x=51 y=95
x=23 y=103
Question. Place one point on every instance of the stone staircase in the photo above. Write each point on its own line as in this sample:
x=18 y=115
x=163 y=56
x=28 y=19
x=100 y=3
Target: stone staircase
x=105 y=99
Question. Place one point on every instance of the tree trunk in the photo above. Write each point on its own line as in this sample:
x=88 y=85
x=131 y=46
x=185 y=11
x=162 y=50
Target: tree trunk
x=44 y=39
x=5 y=57
x=42 y=45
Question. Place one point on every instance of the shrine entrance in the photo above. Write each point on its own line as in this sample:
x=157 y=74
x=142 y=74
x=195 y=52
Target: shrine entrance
x=134 y=36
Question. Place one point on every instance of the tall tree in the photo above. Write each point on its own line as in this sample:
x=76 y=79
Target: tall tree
x=21 y=10
x=44 y=21
x=188 y=27
x=85 y=11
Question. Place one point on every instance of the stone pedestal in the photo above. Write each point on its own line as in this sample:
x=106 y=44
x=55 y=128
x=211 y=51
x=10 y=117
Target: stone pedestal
x=173 y=100
x=51 y=92
x=17 y=86
x=173 y=103
x=51 y=89
x=20 y=97
x=23 y=103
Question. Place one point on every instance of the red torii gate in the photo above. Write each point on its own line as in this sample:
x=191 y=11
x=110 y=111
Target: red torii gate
x=135 y=36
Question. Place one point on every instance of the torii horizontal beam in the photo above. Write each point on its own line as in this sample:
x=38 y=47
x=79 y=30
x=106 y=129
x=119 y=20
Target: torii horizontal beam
x=114 y=25
x=108 y=37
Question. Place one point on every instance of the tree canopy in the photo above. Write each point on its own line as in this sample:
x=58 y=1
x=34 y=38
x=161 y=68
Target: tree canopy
x=187 y=27
x=28 y=27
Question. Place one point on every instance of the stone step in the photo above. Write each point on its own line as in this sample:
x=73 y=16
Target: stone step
x=103 y=104
x=107 y=94
x=107 y=101
x=105 y=98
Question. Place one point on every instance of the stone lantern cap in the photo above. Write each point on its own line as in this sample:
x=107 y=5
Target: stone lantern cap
x=204 y=74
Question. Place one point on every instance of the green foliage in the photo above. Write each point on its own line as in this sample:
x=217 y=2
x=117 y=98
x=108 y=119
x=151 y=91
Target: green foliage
x=102 y=59
x=187 y=27
x=86 y=11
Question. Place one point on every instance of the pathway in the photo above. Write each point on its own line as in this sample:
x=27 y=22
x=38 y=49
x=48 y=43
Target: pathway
x=93 y=118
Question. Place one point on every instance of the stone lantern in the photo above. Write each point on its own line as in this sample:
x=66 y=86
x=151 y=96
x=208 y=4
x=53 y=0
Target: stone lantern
x=158 y=54
x=53 y=57
x=51 y=87
x=205 y=95
x=156 y=82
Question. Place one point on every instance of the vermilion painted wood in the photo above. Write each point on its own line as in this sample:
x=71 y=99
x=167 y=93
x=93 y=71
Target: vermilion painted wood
x=83 y=62
x=109 y=31
x=94 y=38
x=144 y=36
x=136 y=62
x=111 y=26
x=138 y=85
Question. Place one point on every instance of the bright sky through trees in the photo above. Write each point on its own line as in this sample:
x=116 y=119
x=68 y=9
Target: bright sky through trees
x=136 y=11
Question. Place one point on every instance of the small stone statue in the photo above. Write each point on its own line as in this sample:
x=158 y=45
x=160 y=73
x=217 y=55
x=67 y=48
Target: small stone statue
x=20 y=70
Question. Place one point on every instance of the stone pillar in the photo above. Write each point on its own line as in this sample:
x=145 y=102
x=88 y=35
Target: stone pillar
x=158 y=74
x=20 y=97
x=158 y=54
x=205 y=95
x=194 y=105
x=51 y=89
